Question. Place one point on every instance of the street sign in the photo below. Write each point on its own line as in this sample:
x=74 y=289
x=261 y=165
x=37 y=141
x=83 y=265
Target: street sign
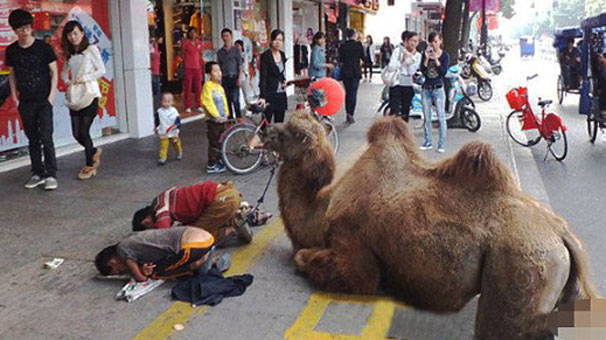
x=491 y=5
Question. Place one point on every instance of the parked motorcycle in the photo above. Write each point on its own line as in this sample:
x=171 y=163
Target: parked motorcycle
x=472 y=68
x=459 y=101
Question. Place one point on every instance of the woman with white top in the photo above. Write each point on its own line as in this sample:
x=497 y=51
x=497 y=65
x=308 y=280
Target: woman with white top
x=406 y=60
x=77 y=50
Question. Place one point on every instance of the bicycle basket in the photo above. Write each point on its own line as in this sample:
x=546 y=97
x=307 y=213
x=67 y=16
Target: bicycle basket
x=517 y=98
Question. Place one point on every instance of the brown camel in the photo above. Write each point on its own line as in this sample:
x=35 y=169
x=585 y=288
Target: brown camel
x=434 y=234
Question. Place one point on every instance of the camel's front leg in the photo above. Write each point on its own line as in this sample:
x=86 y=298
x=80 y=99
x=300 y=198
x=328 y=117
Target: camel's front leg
x=348 y=266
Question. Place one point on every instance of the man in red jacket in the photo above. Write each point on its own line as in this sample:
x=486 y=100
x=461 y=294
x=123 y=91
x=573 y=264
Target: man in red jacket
x=211 y=206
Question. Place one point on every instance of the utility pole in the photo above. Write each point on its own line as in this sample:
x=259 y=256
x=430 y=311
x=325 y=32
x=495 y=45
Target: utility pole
x=484 y=33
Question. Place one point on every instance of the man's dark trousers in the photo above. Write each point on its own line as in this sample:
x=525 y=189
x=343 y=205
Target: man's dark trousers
x=37 y=118
x=232 y=92
x=351 y=94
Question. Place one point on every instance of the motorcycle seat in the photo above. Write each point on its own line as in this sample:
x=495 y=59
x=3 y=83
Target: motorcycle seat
x=543 y=103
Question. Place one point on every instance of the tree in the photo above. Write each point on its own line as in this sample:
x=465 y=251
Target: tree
x=451 y=30
x=507 y=8
x=594 y=7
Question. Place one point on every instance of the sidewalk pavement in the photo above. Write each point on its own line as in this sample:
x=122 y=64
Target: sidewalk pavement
x=80 y=218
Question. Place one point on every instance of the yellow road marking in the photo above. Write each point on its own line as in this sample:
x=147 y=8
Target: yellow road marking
x=181 y=312
x=376 y=328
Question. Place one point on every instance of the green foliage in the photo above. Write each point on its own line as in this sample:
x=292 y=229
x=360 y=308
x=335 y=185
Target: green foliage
x=594 y=7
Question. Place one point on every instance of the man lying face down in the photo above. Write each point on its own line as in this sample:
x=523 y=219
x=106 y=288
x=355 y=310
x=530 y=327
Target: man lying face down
x=159 y=254
x=211 y=206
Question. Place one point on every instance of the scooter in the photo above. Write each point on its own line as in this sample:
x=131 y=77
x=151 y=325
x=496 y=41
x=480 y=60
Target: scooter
x=474 y=69
x=459 y=101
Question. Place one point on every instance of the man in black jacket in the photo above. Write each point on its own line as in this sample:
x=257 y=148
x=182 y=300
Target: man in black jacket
x=351 y=53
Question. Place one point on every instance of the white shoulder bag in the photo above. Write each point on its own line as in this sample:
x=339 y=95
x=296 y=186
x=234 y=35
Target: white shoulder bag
x=78 y=96
x=389 y=75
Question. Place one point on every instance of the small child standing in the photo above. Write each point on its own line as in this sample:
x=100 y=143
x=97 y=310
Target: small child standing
x=214 y=102
x=167 y=127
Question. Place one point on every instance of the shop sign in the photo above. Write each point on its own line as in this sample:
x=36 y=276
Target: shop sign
x=491 y=5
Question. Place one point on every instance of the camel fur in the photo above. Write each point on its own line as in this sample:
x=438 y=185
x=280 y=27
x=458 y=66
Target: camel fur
x=433 y=234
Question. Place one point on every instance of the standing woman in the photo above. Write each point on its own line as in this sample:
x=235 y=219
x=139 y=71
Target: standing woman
x=434 y=65
x=83 y=64
x=386 y=51
x=406 y=60
x=318 y=65
x=369 y=53
x=191 y=52
x=273 y=80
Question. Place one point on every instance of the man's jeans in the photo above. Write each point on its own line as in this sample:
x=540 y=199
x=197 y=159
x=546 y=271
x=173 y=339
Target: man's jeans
x=37 y=120
x=438 y=97
x=156 y=90
x=232 y=92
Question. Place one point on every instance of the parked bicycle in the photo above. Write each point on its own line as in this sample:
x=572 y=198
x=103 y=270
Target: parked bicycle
x=527 y=129
x=242 y=145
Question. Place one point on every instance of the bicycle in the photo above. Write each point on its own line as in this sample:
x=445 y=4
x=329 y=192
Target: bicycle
x=242 y=145
x=527 y=129
x=242 y=148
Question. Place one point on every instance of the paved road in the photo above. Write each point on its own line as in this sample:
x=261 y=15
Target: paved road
x=575 y=187
x=80 y=218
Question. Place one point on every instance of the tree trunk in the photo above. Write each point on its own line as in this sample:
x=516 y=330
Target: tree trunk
x=465 y=24
x=451 y=29
x=452 y=42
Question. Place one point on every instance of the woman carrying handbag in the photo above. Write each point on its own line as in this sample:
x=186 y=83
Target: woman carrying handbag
x=83 y=66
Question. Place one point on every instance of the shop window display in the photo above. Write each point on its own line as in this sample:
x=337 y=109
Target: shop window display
x=49 y=19
x=171 y=20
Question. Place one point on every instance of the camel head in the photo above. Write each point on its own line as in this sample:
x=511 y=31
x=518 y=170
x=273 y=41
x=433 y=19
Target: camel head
x=302 y=142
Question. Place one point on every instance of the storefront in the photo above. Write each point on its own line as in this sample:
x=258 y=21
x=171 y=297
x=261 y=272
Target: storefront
x=49 y=19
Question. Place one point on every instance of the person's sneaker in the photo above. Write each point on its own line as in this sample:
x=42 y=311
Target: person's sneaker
x=180 y=156
x=215 y=168
x=50 y=183
x=34 y=181
x=161 y=161
x=223 y=262
x=87 y=172
x=426 y=147
x=244 y=233
x=441 y=150
x=187 y=110
x=350 y=119
x=97 y=157
x=220 y=168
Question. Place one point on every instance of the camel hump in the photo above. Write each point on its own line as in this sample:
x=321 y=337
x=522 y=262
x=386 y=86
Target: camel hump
x=477 y=165
x=388 y=127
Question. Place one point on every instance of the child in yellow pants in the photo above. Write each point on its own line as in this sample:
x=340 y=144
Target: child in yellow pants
x=167 y=126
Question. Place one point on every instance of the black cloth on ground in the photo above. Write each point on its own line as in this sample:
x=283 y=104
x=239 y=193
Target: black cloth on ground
x=210 y=289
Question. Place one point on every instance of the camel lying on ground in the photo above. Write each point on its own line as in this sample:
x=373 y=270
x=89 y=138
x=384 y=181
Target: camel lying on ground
x=433 y=234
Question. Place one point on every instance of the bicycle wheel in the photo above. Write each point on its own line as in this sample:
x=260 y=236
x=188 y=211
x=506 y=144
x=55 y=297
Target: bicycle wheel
x=331 y=134
x=471 y=119
x=237 y=156
x=560 y=89
x=485 y=91
x=514 y=129
x=558 y=144
x=592 y=128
